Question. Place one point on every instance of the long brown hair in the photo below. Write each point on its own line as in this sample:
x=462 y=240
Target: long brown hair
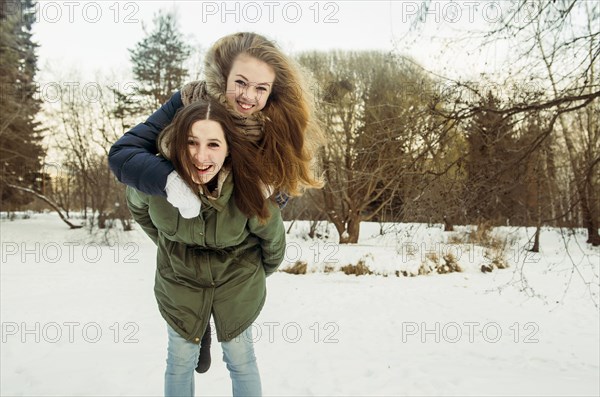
x=248 y=177
x=292 y=133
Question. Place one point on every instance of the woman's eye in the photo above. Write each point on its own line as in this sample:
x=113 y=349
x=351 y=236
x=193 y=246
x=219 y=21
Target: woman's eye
x=240 y=82
x=213 y=145
x=264 y=89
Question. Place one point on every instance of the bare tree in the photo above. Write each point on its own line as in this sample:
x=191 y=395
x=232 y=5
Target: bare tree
x=48 y=201
x=84 y=128
x=550 y=74
x=584 y=126
x=377 y=128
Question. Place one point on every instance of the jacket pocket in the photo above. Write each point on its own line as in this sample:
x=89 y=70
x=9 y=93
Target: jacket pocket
x=173 y=262
x=164 y=216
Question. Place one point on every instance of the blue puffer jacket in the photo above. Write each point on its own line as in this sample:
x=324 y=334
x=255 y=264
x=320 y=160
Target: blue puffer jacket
x=133 y=157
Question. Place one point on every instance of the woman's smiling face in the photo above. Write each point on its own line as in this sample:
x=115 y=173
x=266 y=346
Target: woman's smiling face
x=249 y=84
x=208 y=150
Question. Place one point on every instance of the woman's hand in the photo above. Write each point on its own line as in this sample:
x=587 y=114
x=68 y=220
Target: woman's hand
x=281 y=199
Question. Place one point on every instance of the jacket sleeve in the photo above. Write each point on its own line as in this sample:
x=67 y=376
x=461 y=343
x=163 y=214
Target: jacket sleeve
x=138 y=206
x=272 y=239
x=133 y=157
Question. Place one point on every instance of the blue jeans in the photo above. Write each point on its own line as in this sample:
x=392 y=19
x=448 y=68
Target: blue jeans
x=238 y=354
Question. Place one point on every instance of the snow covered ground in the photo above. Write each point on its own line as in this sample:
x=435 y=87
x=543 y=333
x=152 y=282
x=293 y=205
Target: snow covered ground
x=79 y=318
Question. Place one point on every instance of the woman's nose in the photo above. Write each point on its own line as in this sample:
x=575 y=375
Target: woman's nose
x=250 y=92
x=201 y=154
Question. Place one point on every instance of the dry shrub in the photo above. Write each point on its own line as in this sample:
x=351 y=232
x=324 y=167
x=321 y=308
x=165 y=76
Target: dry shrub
x=297 y=268
x=487 y=268
x=431 y=262
x=450 y=265
x=359 y=269
x=457 y=238
x=328 y=269
x=433 y=257
x=496 y=258
x=495 y=252
x=500 y=262
x=482 y=235
x=424 y=269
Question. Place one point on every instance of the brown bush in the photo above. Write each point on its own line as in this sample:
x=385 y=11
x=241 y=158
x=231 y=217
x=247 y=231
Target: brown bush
x=450 y=265
x=359 y=269
x=486 y=268
x=298 y=268
x=328 y=269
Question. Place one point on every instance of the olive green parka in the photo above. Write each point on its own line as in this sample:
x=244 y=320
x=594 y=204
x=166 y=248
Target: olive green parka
x=215 y=263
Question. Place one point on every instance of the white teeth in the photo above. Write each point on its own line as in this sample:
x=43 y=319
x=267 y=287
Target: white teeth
x=245 y=106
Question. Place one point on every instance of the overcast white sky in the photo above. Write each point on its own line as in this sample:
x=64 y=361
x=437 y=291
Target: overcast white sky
x=93 y=36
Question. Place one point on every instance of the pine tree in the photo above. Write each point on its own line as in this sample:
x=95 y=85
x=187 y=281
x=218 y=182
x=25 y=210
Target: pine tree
x=21 y=151
x=158 y=63
x=494 y=182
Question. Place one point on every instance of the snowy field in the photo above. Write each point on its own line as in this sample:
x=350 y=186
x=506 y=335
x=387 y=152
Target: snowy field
x=79 y=318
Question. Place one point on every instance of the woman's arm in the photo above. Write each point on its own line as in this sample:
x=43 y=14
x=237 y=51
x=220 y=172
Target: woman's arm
x=138 y=206
x=133 y=157
x=134 y=161
x=272 y=239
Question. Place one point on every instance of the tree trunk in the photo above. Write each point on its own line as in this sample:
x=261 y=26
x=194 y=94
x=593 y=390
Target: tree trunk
x=556 y=206
x=340 y=227
x=126 y=225
x=351 y=231
x=536 y=240
x=347 y=230
x=578 y=169
x=538 y=229
x=448 y=225
x=101 y=220
x=593 y=236
x=313 y=228
x=590 y=224
x=48 y=201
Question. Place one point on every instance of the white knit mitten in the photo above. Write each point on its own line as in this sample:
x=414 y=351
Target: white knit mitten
x=182 y=197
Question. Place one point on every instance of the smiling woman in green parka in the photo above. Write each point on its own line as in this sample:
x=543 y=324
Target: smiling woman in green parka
x=218 y=261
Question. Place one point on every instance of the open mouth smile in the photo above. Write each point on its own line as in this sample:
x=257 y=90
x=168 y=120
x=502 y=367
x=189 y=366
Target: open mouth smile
x=205 y=169
x=245 y=105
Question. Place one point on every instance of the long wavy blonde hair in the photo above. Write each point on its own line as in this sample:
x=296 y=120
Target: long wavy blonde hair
x=291 y=132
